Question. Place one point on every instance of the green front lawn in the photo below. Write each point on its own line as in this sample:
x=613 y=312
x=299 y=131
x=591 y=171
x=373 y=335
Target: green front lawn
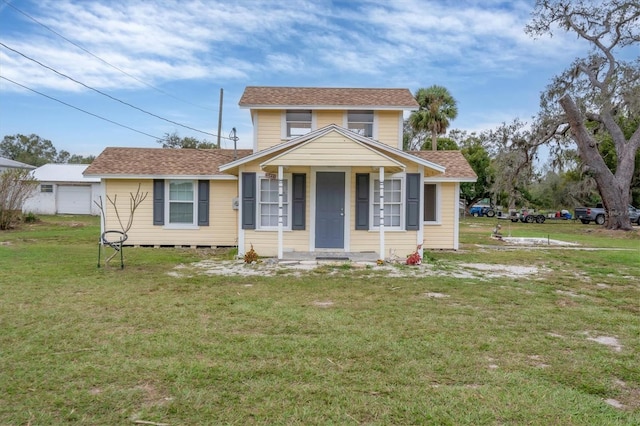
x=104 y=346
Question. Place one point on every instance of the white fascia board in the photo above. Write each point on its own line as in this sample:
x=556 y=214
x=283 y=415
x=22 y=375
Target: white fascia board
x=400 y=153
x=334 y=107
x=448 y=179
x=189 y=177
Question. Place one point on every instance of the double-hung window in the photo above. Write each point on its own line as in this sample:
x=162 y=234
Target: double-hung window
x=268 y=203
x=360 y=122
x=181 y=201
x=298 y=122
x=430 y=203
x=393 y=206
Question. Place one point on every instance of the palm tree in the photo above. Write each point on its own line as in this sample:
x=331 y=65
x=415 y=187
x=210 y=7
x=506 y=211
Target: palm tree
x=437 y=107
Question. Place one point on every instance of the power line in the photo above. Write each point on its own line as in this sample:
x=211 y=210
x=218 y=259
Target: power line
x=106 y=94
x=79 y=109
x=102 y=60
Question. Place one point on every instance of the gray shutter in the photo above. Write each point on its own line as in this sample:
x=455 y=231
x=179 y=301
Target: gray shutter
x=362 y=201
x=248 y=201
x=298 y=198
x=158 y=202
x=412 y=222
x=203 y=203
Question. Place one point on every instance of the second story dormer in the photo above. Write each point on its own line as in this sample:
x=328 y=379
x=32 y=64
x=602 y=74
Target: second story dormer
x=282 y=113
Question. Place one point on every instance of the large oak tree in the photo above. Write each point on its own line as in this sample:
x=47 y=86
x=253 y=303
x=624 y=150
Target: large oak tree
x=598 y=93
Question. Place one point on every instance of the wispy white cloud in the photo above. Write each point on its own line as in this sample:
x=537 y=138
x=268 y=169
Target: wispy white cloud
x=476 y=48
x=162 y=41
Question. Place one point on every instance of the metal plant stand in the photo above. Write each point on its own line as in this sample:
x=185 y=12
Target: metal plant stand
x=115 y=240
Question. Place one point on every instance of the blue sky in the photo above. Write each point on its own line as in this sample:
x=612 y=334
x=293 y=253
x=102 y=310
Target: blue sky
x=171 y=58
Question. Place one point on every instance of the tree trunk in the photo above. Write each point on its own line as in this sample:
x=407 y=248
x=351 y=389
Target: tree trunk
x=614 y=189
x=434 y=141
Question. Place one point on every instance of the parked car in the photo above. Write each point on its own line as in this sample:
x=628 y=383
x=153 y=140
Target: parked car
x=597 y=214
x=634 y=215
x=590 y=214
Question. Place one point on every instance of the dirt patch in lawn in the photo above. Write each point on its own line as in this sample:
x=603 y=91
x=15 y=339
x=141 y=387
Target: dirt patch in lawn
x=479 y=271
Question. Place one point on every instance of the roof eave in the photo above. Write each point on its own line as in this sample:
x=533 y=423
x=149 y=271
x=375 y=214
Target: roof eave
x=449 y=179
x=331 y=107
x=172 y=176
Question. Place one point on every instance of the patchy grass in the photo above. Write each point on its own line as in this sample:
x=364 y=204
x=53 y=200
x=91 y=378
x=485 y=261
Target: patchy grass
x=337 y=345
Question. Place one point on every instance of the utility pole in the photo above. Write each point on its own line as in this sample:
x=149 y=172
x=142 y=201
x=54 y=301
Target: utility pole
x=220 y=116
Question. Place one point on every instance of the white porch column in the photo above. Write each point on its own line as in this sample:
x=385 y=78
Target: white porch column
x=280 y=205
x=456 y=218
x=420 y=233
x=240 y=240
x=381 y=189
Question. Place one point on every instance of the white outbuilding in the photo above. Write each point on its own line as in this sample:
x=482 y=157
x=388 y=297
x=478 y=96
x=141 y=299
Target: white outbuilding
x=62 y=189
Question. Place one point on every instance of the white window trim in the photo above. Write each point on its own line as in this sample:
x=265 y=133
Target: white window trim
x=167 y=205
x=283 y=123
x=372 y=188
x=48 y=187
x=289 y=206
x=438 y=220
x=374 y=130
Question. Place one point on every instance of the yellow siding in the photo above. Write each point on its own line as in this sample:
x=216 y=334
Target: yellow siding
x=269 y=128
x=265 y=243
x=399 y=243
x=270 y=125
x=333 y=149
x=388 y=127
x=441 y=236
x=325 y=118
x=222 y=217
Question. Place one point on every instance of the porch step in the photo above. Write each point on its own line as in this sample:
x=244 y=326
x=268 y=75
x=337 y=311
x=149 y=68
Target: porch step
x=331 y=256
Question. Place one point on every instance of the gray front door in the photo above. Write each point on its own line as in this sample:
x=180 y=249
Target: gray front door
x=330 y=210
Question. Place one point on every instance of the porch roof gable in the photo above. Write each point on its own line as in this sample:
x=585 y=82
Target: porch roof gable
x=380 y=148
x=333 y=148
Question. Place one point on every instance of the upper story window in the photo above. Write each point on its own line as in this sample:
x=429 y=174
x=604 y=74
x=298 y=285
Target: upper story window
x=298 y=122
x=361 y=122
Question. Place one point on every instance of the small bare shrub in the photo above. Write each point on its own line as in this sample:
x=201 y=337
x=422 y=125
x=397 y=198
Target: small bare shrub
x=16 y=185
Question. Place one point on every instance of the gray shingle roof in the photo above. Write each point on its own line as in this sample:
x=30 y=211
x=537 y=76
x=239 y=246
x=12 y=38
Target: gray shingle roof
x=206 y=162
x=263 y=96
x=162 y=161
x=456 y=165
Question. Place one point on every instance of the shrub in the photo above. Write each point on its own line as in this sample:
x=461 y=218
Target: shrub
x=16 y=185
x=251 y=256
x=414 y=258
x=29 y=217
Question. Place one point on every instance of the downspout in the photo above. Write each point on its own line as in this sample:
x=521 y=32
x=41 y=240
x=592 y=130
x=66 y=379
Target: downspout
x=456 y=217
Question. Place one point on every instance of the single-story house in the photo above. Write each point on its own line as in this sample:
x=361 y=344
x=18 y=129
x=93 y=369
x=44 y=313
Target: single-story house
x=326 y=173
x=7 y=164
x=63 y=189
